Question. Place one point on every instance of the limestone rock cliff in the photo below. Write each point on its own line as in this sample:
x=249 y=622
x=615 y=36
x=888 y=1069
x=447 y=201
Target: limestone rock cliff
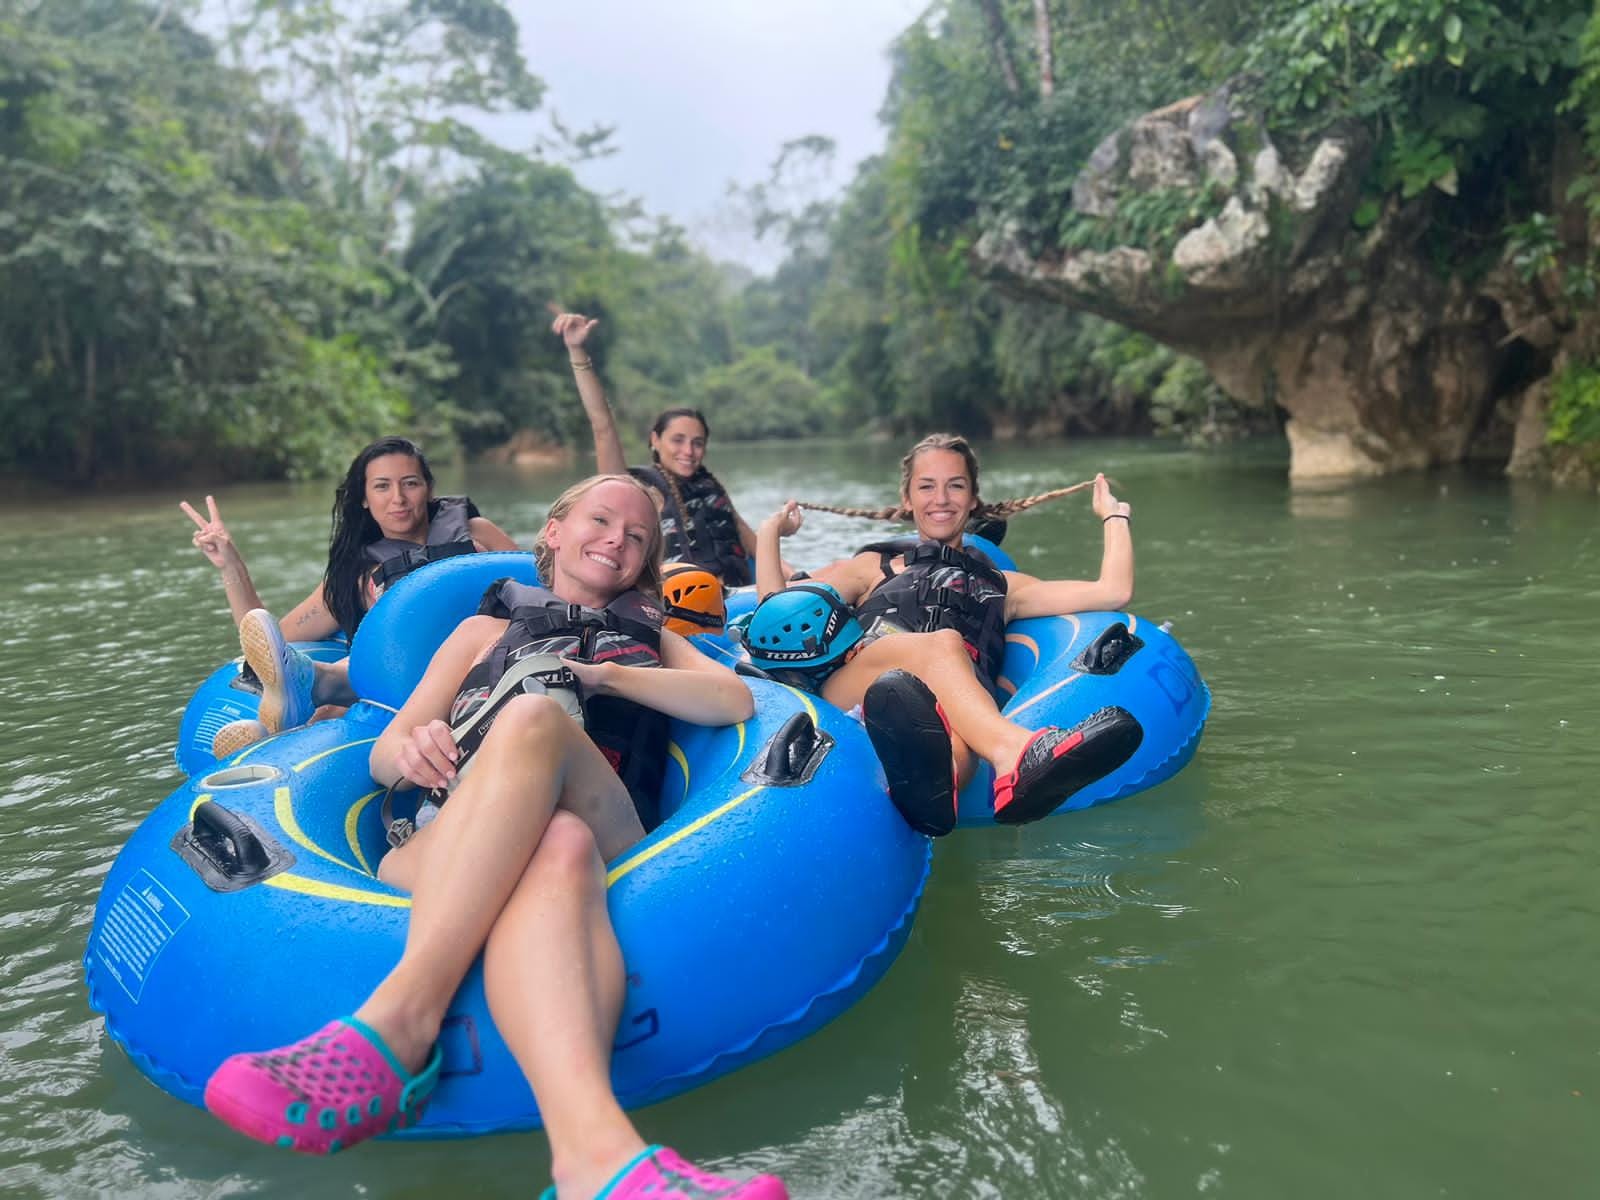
x=1380 y=361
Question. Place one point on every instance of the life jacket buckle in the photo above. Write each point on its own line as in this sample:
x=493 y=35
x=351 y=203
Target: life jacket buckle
x=399 y=832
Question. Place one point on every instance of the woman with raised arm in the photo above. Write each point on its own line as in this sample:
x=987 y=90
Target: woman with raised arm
x=386 y=522
x=697 y=516
x=513 y=863
x=933 y=617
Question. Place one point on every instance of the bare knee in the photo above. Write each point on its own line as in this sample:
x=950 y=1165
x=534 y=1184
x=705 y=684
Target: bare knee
x=529 y=718
x=567 y=853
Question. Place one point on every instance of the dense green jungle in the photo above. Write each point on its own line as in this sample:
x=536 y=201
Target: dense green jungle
x=250 y=249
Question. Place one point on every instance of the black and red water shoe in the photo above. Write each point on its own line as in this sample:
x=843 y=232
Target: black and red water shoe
x=1057 y=762
x=909 y=731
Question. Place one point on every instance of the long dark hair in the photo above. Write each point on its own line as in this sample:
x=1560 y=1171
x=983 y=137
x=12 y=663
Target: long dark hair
x=343 y=584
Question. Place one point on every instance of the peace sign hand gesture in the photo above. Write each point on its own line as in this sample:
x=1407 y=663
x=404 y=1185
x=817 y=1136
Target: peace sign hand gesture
x=211 y=535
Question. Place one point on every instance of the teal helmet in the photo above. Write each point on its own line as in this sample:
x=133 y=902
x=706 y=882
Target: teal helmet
x=805 y=625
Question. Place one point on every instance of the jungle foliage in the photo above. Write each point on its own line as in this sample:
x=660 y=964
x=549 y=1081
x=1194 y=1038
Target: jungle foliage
x=996 y=106
x=257 y=244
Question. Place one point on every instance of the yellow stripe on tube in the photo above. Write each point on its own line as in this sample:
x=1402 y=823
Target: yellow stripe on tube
x=315 y=758
x=290 y=882
x=283 y=809
x=675 y=752
x=699 y=823
x=351 y=820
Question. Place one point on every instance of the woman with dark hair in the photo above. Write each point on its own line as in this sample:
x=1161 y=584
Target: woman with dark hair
x=933 y=617
x=697 y=516
x=512 y=865
x=386 y=521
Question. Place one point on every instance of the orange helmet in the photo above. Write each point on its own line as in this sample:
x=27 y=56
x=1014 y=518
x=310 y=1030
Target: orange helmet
x=693 y=597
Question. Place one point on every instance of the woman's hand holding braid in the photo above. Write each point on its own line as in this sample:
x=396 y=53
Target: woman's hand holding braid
x=787 y=520
x=1106 y=505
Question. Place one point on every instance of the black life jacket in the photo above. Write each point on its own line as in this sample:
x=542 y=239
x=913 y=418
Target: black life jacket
x=941 y=587
x=707 y=535
x=449 y=533
x=627 y=631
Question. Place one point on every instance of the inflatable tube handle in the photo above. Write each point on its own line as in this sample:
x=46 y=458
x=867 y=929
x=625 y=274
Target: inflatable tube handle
x=227 y=851
x=793 y=755
x=1106 y=654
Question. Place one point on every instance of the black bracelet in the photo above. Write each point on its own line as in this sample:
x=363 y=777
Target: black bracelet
x=1117 y=516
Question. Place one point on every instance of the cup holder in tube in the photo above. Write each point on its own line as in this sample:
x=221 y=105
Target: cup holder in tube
x=241 y=776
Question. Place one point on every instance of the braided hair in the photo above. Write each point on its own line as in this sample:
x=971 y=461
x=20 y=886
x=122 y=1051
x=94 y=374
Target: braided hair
x=999 y=510
x=344 y=582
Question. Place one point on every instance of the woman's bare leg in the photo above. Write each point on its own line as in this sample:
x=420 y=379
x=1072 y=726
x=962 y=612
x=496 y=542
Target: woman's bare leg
x=462 y=869
x=330 y=683
x=941 y=661
x=554 y=977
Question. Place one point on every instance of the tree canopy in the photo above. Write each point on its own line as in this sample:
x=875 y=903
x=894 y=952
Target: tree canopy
x=258 y=246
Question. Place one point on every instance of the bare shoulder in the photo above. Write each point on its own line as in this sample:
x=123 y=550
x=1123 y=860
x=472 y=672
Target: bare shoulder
x=473 y=637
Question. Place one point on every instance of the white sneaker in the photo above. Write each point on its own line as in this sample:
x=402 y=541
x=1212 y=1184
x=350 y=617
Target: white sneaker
x=286 y=675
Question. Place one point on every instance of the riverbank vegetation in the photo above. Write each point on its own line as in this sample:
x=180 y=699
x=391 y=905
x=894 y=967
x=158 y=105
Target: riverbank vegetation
x=254 y=244
x=253 y=247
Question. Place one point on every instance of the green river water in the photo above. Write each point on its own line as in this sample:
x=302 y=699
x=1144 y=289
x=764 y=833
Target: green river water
x=1350 y=951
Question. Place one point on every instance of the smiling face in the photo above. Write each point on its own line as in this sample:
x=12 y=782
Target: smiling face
x=680 y=446
x=939 y=493
x=602 y=543
x=397 y=496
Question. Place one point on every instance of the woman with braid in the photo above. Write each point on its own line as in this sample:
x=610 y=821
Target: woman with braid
x=698 y=519
x=934 y=617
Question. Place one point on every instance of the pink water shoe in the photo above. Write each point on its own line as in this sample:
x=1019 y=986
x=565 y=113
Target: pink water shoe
x=328 y=1091
x=661 y=1173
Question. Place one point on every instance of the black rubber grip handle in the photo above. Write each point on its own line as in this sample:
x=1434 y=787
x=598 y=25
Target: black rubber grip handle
x=216 y=827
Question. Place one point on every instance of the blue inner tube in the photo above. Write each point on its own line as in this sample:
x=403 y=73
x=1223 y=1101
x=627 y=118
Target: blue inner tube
x=1060 y=670
x=244 y=912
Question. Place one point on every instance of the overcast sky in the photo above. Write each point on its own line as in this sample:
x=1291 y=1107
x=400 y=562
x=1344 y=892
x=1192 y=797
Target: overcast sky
x=704 y=92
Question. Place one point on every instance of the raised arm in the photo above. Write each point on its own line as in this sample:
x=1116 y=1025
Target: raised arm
x=751 y=541
x=574 y=330
x=212 y=539
x=772 y=573
x=687 y=685
x=1030 y=597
